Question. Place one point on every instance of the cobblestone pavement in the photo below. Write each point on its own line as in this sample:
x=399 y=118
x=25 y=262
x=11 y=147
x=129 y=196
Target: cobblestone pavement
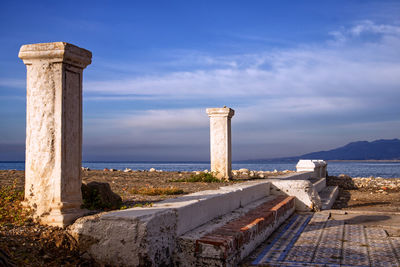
x=317 y=240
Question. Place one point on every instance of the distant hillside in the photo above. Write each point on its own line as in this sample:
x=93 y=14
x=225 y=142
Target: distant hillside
x=362 y=150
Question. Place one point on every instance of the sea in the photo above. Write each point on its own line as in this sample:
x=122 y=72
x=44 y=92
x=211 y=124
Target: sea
x=351 y=168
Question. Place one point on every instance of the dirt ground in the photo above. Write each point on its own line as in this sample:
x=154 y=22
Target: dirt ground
x=33 y=245
x=122 y=183
x=368 y=200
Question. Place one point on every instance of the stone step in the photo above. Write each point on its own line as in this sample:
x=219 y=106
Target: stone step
x=319 y=184
x=198 y=208
x=328 y=196
x=226 y=240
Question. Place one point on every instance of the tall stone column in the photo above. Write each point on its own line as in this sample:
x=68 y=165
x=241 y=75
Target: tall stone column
x=220 y=141
x=54 y=130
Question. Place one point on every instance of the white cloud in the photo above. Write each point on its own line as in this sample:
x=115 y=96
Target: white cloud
x=304 y=71
x=293 y=94
x=368 y=26
x=13 y=83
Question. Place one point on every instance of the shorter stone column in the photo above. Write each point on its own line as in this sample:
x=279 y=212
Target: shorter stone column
x=318 y=167
x=323 y=169
x=54 y=130
x=220 y=141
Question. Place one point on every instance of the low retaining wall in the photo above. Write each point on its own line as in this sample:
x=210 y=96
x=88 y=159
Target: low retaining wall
x=147 y=236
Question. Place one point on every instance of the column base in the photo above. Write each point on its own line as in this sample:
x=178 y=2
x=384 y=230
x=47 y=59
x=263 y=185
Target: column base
x=61 y=218
x=221 y=176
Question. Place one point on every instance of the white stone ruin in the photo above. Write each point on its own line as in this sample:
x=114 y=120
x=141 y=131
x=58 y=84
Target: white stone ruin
x=220 y=141
x=318 y=167
x=54 y=130
x=54 y=133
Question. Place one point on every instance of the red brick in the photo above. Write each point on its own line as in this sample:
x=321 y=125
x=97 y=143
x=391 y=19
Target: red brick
x=234 y=234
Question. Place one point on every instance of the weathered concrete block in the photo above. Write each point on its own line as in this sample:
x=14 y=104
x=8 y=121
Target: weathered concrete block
x=307 y=198
x=213 y=203
x=317 y=166
x=140 y=236
x=135 y=237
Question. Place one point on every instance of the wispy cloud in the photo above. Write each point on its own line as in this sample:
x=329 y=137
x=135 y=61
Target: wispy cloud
x=167 y=119
x=292 y=94
x=12 y=83
x=305 y=71
x=162 y=126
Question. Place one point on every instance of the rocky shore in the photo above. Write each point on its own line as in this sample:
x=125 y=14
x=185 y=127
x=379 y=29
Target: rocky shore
x=366 y=193
x=370 y=183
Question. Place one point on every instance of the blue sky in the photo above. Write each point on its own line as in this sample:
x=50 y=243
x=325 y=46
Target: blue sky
x=302 y=76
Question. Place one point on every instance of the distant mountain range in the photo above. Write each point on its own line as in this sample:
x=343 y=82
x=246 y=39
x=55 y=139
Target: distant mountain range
x=382 y=149
x=362 y=150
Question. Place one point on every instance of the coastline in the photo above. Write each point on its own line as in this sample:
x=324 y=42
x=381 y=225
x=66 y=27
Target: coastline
x=365 y=160
x=354 y=168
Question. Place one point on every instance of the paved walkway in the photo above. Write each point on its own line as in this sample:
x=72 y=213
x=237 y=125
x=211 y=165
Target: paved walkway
x=318 y=240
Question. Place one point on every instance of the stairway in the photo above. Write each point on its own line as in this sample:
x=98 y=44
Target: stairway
x=228 y=239
x=327 y=194
x=209 y=228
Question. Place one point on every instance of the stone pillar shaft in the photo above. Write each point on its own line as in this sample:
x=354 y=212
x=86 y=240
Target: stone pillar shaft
x=54 y=130
x=220 y=141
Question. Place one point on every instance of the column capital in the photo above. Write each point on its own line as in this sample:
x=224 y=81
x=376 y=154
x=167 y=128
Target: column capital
x=56 y=52
x=220 y=112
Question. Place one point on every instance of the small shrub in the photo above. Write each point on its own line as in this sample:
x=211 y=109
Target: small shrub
x=92 y=200
x=155 y=191
x=200 y=178
x=96 y=195
x=11 y=210
x=143 y=205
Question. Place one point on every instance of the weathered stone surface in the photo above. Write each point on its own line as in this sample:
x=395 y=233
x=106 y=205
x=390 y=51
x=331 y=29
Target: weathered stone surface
x=317 y=166
x=220 y=141
x=54 y=130
x=146 y=236
x=128 y=238
x=307 y=198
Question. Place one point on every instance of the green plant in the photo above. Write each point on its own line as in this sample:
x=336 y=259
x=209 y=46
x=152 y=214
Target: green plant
x=200 y=178
x=143 y=205
x=11 y=210
x=91 y=200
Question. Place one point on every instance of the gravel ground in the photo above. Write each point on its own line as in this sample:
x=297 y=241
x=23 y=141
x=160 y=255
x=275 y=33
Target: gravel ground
x=367 y=194
x=33 y=245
